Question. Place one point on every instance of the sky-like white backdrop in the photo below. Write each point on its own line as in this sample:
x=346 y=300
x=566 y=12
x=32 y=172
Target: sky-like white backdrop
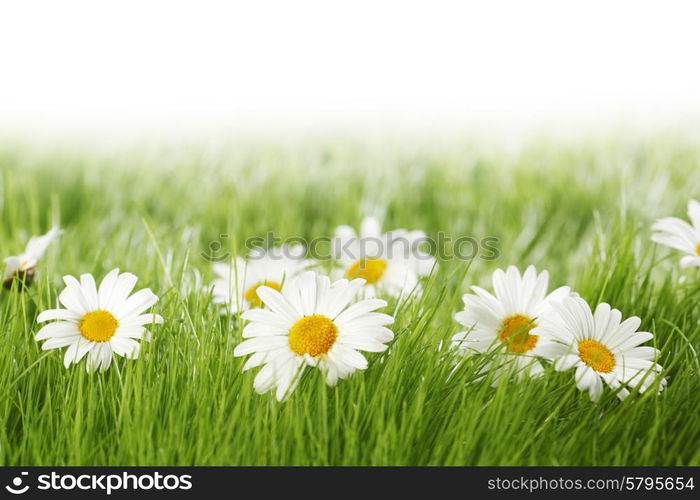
x=145 y=66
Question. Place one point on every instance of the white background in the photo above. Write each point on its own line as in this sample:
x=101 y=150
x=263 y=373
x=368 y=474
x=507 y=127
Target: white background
x=168 y=66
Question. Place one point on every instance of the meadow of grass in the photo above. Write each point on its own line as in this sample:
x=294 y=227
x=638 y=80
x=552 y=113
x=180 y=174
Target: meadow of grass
x=584 y=213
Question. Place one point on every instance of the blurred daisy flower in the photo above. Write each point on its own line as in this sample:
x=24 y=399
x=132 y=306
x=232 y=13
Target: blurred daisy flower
x=678 y=234
x=390 y=263
x=235 y=286
x=602 y=348
x=99 y=322
x=311 y=323
x=23 y=266
x=505 y=324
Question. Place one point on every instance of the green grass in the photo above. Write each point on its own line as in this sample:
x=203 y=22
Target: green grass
x=583 y=213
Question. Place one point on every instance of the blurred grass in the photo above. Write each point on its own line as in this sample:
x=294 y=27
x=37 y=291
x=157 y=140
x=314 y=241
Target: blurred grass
x=581 y=212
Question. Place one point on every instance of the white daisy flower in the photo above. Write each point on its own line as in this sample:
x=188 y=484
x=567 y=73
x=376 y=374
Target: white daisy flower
x=601 y=347
x=505 y=324
x=99 y=322
x=311 y=323
x=390 y=263
x=235 y=285
x=678 y=234
x=23 y=266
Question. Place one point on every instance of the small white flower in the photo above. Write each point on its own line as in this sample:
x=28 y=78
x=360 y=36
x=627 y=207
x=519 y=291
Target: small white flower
x=678 y=234
x=390 y=263
x=99 y=322
x=505 y=325
x=311 y=323
x=23 y=266
x=602 y=348
x=235 y=285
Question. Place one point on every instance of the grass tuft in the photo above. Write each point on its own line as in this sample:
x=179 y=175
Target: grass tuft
x=582 y=213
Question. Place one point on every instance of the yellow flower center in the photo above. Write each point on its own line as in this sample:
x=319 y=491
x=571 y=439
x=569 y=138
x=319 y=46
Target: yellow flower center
x=98 y=326
x=313 y=335
x=596 y=355
x=371 y=270
x=515 y=333
x=251 y=295
x=697 y=249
